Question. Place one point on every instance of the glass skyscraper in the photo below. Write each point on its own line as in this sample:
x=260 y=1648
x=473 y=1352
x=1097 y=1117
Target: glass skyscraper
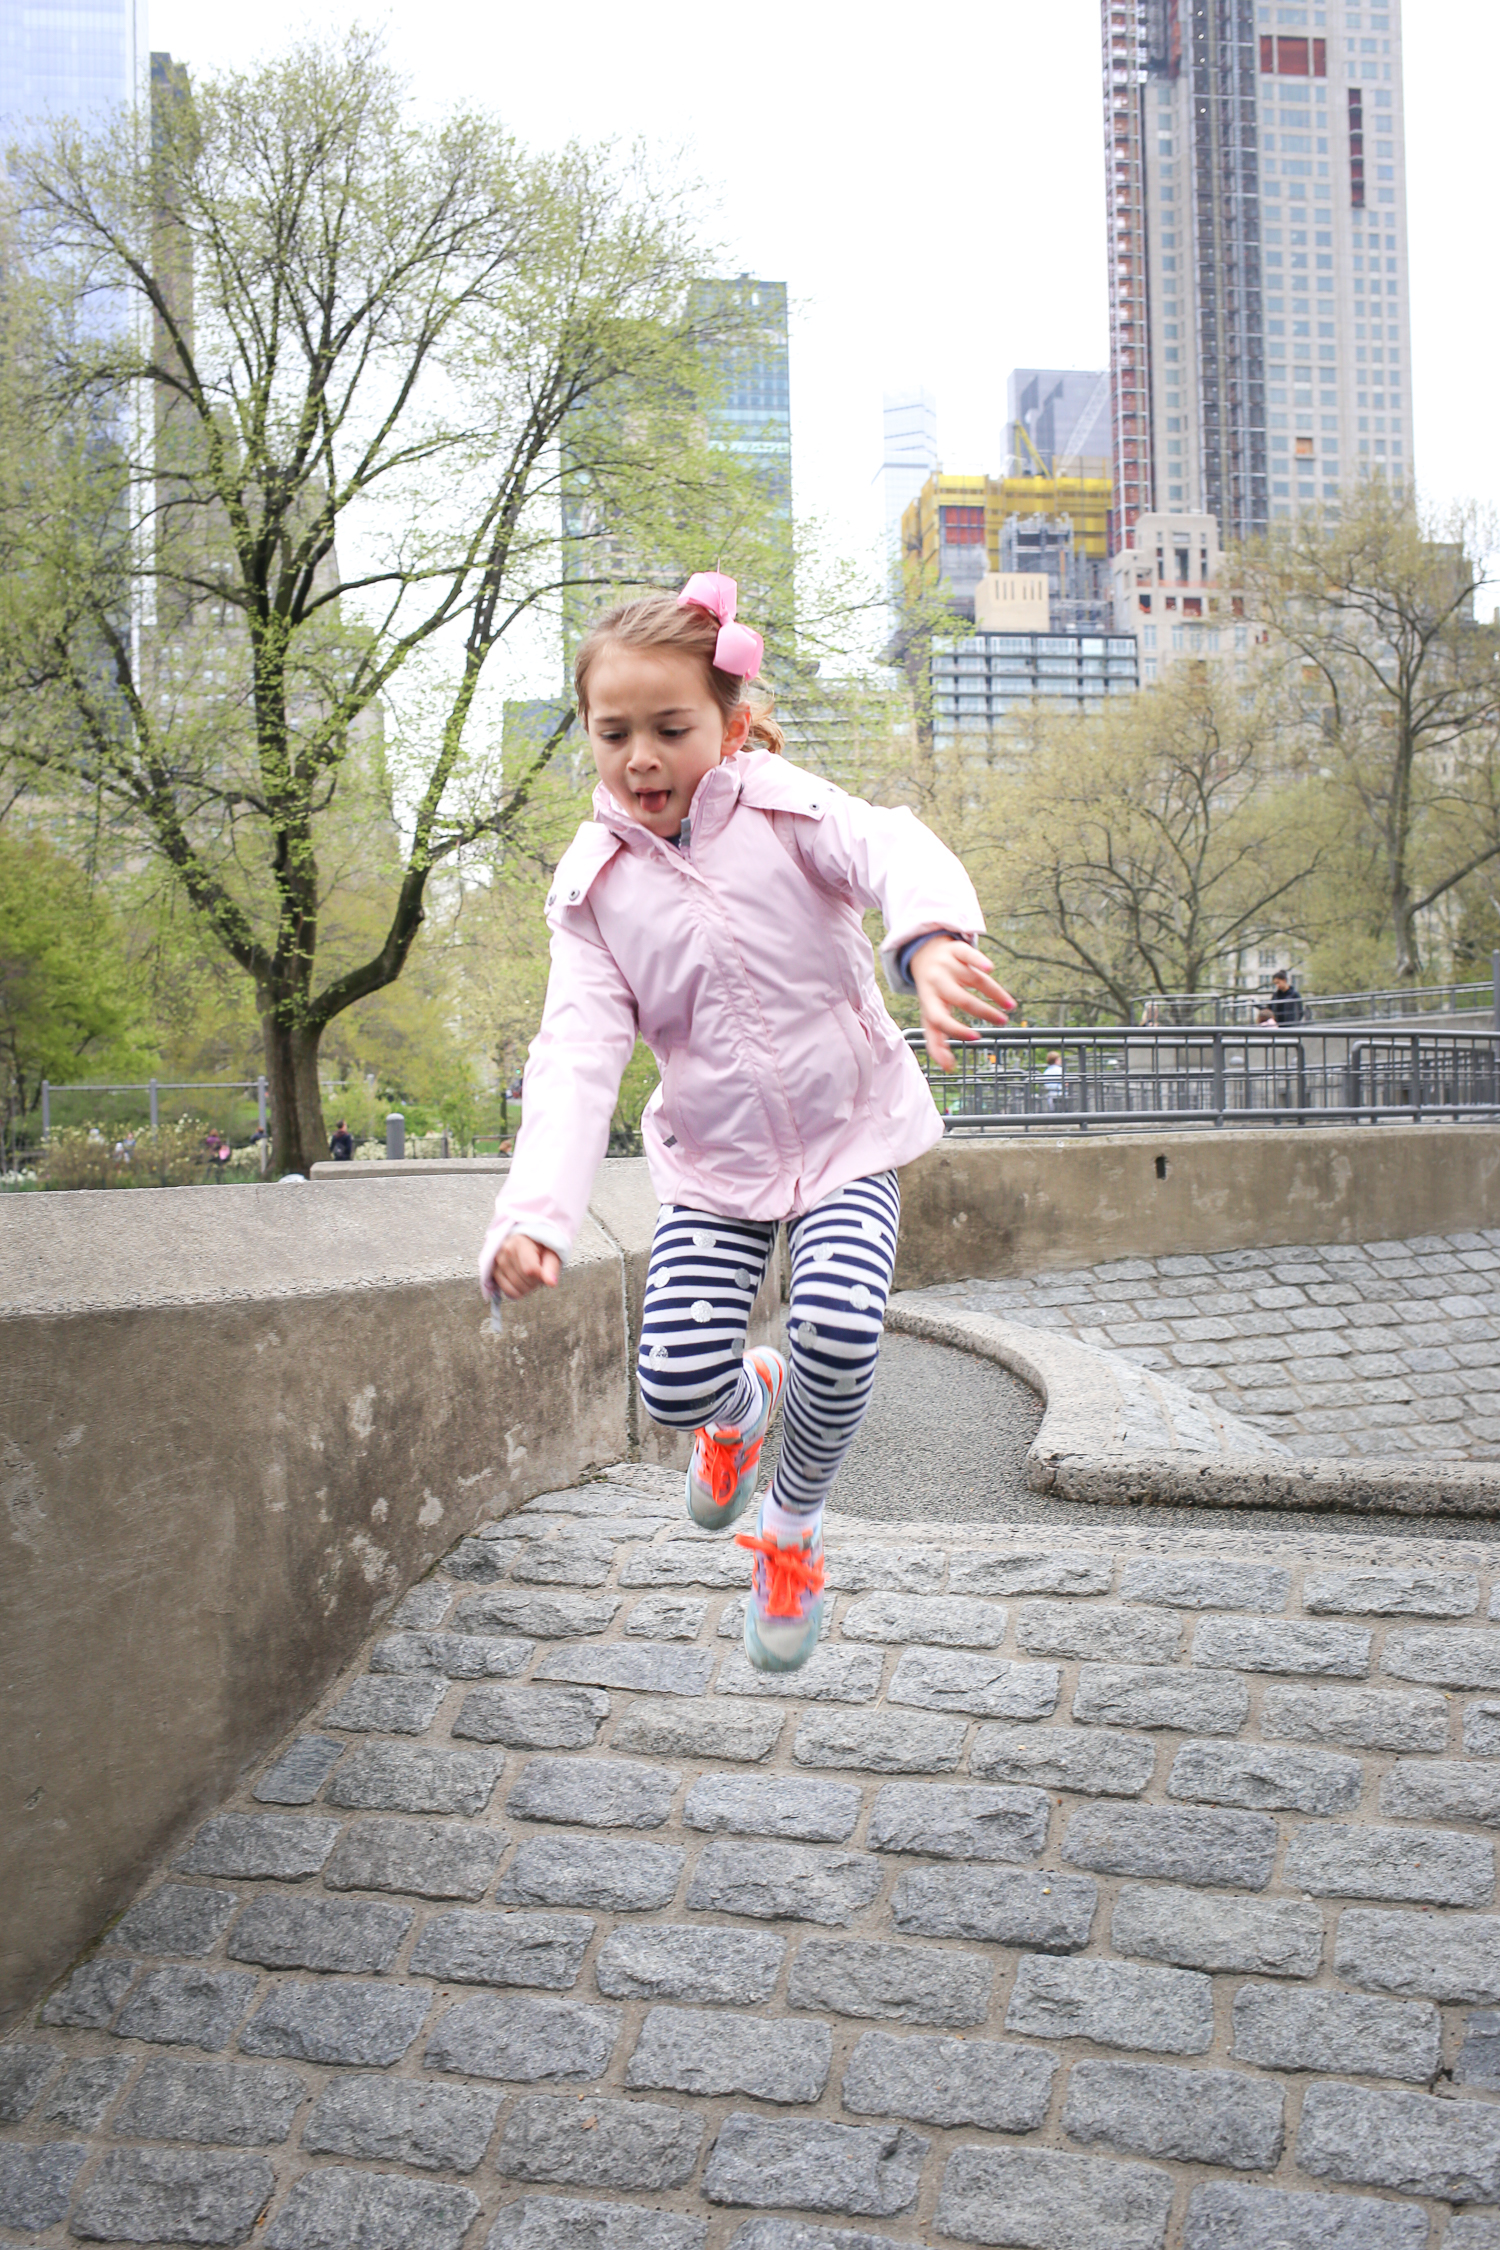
x=84 y=59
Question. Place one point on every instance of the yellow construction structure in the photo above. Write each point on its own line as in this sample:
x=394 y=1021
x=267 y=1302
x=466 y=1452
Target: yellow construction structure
x=967 y=511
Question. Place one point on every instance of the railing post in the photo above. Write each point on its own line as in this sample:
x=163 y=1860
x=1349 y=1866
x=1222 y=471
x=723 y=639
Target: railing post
x=46 y=1107
x=155 y=1107
x=1218 y=1077
x=1495 y=982
x=395 y=1137
x=260 y=1119
x=1416 y=1076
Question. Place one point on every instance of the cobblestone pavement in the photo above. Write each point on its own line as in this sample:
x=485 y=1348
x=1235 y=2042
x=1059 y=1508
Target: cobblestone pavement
x=1373 y=1347
x=1075 y=1897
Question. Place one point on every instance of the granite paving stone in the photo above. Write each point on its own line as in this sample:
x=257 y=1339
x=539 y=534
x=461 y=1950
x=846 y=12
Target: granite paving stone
x=880 y=1741
x=184 y=1918
x=1413 y=2143
x=769 y=2163
x=35 y=2184
x=686 y=1562
x=1267 y=1776
x=558 y=2222
x=1454 y=1656
x=1478 y=2061
x=458 y=1656
x=1441 y=1789
x=151 y=2195
x=1185 y=1584
x=82 y=2095
x=1233 y=1849
x=678 y=1730
x=539 y=1617
x=1196 y=2116
x=599 y=2143
x=399 y=2121
x=1481 y=1732
x=532 y=1718
x=1391 y=1593
x=1250 y=1644
x=772 y=1882
x=1360 y=1718
x=651 y=1667
x=1097 y=1634
x=1282 y=2028
x=803 y=2234
x=1227 y=2215
x=830 y=1675
x=471 y=1946
x=185 y=2007
x=240 y=2105
x=24 y=2071
x=903 y=1983
x=357 y=1936
x=280 y=1846
x=773 y=1805
x=667 y=1617
x=984 y=1687
x=690 y=2051
x=1045 y=2199
x=1030 y=1574
x=686 y=1961
x=415 y=1778
x=433 y=1859
x=423 y=1605
x=1093 y=1764
x=947 y=1821
x=339 y=2209
x=300 y=1772
x=1266 y=1936
x=1049 y=1913
x=906 y=1570
x=515 y=2037
x=594 y=1792
x=395 y=1704
x=577 y=1561
x=1457 y=1958
x=609 y=1873
x=337 y=2023
x=926 y=1620
x=1422 y=1864
x=1159 y=1695
x=950 y=2082
x=1115 y=2003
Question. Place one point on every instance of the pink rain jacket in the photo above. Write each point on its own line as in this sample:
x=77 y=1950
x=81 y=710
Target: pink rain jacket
x=742 y=963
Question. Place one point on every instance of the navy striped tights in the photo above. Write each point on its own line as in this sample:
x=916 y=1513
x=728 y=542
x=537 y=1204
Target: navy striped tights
x=704 y=1273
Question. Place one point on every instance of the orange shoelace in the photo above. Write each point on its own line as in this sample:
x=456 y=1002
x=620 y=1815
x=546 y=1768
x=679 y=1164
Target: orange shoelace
x=791 y=1572
x=724 y=1463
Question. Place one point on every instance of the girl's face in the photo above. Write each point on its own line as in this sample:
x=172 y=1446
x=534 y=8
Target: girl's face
x=655 y=731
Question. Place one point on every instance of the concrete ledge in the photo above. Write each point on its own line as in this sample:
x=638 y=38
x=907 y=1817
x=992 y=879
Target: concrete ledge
x=1115 y=1433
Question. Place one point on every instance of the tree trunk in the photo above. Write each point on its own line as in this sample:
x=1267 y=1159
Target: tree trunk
x=298 y=1136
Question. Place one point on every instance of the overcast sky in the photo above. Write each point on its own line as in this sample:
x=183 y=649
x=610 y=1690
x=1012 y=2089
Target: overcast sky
x=930 y=188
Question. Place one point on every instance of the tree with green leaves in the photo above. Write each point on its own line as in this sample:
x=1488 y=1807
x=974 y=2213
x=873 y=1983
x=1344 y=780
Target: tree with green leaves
x=297 y=379
x=1393 y=687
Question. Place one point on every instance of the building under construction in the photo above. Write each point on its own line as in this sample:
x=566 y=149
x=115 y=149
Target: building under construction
x=959 y=529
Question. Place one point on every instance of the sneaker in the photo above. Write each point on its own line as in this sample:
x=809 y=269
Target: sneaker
x=784 y=1614
x=726 y=1462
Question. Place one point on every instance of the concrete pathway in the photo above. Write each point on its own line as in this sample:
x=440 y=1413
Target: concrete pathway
x=1379 y=1348
x=1082 y=1894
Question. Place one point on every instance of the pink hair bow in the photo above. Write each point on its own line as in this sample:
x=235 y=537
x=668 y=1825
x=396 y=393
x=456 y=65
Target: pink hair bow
x=739 y=648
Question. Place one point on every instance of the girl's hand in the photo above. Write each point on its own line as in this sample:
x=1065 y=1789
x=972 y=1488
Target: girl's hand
x=522 y=1265
x=950 y=974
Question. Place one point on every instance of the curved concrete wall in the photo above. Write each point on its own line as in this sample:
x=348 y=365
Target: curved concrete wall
x=235 y=1423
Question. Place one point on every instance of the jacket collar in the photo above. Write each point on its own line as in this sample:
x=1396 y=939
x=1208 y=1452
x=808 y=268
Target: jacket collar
x=713 y=799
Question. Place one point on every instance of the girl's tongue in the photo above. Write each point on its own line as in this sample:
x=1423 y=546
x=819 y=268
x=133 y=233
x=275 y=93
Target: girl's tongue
x=652 y=800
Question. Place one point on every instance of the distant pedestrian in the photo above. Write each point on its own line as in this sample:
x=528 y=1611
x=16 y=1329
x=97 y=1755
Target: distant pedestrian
x=1286 y=1001
x=1052 y=1081
x=342 y=1143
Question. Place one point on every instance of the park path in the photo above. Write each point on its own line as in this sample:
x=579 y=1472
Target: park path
x=1094 y=1889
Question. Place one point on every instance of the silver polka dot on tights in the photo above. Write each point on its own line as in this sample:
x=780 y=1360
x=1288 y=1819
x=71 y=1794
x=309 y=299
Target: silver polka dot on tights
x=859 y=1297
x=659 y=1355
x=843 y=1384
x=701 y=1310
x=703 y=1241
x=807 y=1334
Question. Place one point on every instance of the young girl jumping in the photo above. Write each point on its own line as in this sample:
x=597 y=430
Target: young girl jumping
x=712 y=906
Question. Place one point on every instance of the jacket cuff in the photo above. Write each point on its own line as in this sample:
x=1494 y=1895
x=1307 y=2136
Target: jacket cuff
x=501 y=1230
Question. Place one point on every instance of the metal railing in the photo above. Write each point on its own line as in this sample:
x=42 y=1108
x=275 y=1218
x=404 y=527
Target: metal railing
x=1117 y=1080
x=154 y=1088
x=1230 y=1008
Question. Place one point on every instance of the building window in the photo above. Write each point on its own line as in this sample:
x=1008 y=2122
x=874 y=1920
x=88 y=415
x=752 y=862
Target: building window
x=962 y=527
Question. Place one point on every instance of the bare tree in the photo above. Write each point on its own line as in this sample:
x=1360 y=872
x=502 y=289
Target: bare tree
x=282 y=472
x=1394 y=685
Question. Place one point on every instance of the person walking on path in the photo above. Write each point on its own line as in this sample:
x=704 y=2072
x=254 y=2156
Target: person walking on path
x=1286 y=1001
x=712 y=906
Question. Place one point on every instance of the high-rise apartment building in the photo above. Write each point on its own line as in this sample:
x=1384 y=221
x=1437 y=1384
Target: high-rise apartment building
x=1259 y=313
x=84 y=59
x=909 y=458
x=752 y=416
